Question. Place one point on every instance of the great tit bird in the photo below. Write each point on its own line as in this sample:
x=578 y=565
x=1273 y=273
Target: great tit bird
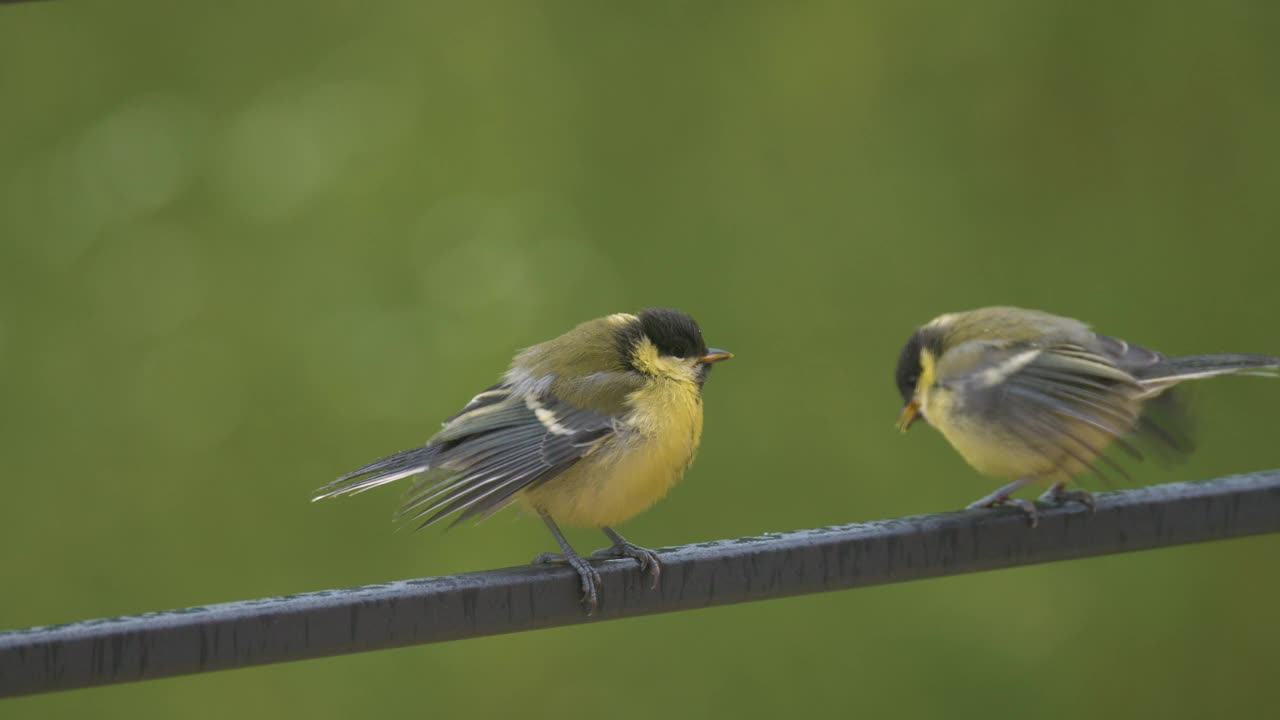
x=588 y=429
x=1029 y=396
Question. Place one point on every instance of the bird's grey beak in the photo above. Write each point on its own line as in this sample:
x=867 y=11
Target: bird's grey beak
x=714 y=355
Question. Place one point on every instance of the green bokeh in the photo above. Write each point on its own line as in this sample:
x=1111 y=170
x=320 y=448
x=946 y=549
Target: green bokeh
x=245 y=247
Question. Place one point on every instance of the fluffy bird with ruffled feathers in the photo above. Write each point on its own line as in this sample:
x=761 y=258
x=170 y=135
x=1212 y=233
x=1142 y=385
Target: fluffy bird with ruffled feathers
x=587 y=429
x=1029 y=396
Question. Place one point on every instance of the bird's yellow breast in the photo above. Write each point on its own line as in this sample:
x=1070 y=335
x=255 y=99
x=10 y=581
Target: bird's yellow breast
x=635 y=467
x=983 y=445
x=992 y=449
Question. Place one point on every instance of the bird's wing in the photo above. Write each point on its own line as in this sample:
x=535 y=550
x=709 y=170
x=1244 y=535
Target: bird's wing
x=1065 y=400
x=1166 y=425
x=503 y=442
x=1133 y=359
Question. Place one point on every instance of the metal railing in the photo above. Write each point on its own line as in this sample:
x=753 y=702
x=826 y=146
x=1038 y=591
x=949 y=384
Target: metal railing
x=411 y=612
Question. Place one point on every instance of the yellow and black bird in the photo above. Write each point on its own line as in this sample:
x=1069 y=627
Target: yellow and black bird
x=1029 y=396
x=588 y=429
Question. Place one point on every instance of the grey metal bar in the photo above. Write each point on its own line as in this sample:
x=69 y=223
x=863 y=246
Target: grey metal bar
x=410 y=612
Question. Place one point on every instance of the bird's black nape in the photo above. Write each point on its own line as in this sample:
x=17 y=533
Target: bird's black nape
x=673 y=332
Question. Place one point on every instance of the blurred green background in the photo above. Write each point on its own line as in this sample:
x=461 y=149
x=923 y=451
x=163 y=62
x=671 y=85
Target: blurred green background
x=244 y=249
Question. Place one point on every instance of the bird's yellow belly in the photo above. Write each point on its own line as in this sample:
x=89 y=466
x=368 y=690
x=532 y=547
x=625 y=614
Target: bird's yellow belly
x=626 y=475
x=992 y=453
x=999 y=452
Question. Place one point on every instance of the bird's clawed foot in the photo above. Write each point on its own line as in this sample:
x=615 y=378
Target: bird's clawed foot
x=1058 y=494
x=1002 y=497
x=1000 y=500
x=589 y=577
x=591 y=584
x=649 y=563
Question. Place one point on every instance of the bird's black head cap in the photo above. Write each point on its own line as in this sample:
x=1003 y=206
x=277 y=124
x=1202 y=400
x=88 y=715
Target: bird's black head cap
x=909 y=368
x=673 y=333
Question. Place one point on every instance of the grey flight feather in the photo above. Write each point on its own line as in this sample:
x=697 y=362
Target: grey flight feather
x=380 y=472
x=1174 y=370
x=1132 y=359
x=1122 y=390
x=1151 y=367
x=1166 y=418
x=1046 y=400
x=502 y=442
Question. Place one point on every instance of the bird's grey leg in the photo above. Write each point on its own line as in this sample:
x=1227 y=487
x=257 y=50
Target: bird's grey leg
x=649 y=563
x=1001 y=497
x=587 y=574
x=1058 y=494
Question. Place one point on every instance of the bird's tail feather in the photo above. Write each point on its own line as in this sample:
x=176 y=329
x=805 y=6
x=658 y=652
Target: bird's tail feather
x=1194 y=367
x=380 y=472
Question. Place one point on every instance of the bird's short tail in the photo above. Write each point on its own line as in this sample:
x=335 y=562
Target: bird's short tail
x=1172 y=371
x=380 y=472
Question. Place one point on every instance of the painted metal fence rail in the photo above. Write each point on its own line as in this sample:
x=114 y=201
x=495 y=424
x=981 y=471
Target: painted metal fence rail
x=411 y=612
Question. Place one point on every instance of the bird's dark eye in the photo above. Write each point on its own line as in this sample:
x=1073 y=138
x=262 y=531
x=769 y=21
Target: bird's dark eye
x=678 y=348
